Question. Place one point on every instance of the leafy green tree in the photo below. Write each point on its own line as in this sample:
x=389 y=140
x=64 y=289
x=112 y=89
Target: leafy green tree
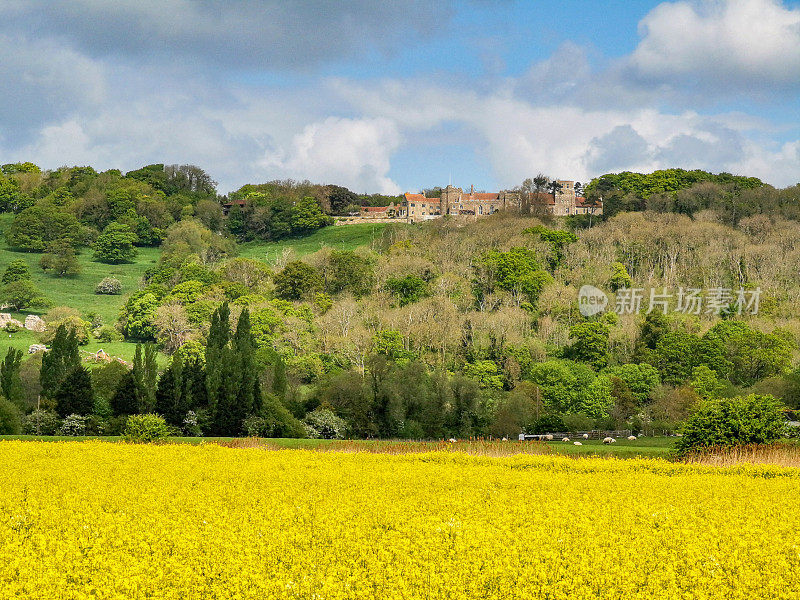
x=61 y=360
x=706 y=383
x=115 y=244
x=22 y=294
x=735 y=421
x=279 y=385
x=557 y=239
x=36 y=227
x=138 y=314
x=10 y=418
x=347 y=271
x=297 y=280
x=60 y=259
x=408 y=289
x=75 y=394
x=221 y=378
x=340 y=198
x=307 y=216
x=620 y=279
x=516 y=271
x=589 y=344
x=10 y=382
x=642 y=379
x=171 y=393
x=15 y=271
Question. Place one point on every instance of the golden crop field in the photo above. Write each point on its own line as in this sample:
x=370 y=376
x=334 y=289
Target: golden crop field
x=101 y=520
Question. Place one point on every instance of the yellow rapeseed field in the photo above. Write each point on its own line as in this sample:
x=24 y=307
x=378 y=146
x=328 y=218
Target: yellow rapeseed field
x=100 y=520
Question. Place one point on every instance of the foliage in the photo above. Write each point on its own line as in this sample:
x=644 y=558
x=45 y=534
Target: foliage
x=22 y=294
x=41 y=422
x=109 y=285
x=145 y=429
x=620 y=279
x=408 y=289
x=735 y=421
x=16 y=270
x=10 y=382
x=75 y=394
x=323 y=423
x=73 y=425
x=60 y=259
x=516 y=271
x=589 y=344
x=297 y=280
x=10 y=417
x=115 y=244
x=36 y=227
x=61 y=360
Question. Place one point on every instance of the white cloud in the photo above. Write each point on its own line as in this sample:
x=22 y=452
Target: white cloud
x=351 y=152
x=734 y=44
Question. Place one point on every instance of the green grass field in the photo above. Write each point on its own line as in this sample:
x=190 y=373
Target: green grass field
x=341 y=237
x=653 y=447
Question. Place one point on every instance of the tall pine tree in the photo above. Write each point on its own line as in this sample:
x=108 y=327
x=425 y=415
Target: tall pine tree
x=10 y=382
x=249 y=400
x=75 y=394
x=125 y=401
x=59 y=361
x=221 y=376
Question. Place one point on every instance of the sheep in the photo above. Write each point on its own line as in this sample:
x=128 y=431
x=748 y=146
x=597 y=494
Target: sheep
x=609 y=440
x=632 y=438
x=577 y=444
x=565 y=439
x=452 y=440
x=586 y=436
x=505 y=439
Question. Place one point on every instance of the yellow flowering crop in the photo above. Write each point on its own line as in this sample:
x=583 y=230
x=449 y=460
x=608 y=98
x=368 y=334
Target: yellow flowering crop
x=99 y=520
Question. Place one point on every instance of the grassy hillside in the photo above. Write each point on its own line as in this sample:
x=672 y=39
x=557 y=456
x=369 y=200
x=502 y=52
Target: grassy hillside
x=343 y=237
x=78 y=292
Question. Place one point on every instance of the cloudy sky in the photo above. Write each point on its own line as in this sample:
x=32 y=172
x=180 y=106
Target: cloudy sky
x=397 y=95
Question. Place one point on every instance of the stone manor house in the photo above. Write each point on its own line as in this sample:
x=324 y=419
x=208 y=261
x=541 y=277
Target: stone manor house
x=456 y=202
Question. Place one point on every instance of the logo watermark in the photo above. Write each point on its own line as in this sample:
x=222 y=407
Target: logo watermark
x=690 y=301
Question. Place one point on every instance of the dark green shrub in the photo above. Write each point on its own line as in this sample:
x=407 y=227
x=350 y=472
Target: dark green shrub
x=738 y=421
x=548 y=424
x=41 y=422
x=146 y=428
x=10 y=418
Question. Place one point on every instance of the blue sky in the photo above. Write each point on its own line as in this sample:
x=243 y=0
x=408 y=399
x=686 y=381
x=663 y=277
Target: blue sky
x=391 y=96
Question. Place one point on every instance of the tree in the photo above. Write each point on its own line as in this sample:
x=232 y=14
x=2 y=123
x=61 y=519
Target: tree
x=15 y=271
x=35 y=227
x=115 y=244
x=248 y=400
x=221 y=377
x=620 y=279
x=735 y=421
x=188 y=241
x=307 y=216
x=10 y=381
x=59 y=361
x=297 y=280
x=172 y=326
x=590 y=344
x=22 y=294
x=408 y=289
x=125 y=400
x=60 y=259
x=340 y=198
x=347 y=271
x=10 y=418
x=75 y=394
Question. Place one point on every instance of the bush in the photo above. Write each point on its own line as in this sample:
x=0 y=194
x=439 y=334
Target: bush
x=325 y=424
x=107 y=334
x=41 y=422
x=146 y=428
x=10 y=418
x=16 y=270
x=548 y=424
x=191 y=425
x=109 y=285
x=73 y=425
x=738 y=421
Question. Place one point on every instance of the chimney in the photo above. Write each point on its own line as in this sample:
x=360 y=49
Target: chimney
x=472 y=190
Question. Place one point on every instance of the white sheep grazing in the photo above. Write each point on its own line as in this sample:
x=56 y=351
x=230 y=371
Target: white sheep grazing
x=549 y=437
x=609 y=440
x=505 y=439
x=632 y=438
x=586 y=436
x=452 y=440
x=577 y=444
x=565 y=440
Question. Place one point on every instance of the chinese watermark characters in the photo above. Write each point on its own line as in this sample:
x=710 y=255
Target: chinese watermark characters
x=690 y=301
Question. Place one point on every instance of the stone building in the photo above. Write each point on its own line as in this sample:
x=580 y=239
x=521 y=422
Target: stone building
x=455 y=202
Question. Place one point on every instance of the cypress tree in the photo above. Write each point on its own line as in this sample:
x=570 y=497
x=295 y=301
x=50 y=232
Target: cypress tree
x=124 y=400
x=149 y=379
x=10 y=382
x=222 y=379
x=59 y=361
x=75 y=394
x=249 y=401
x=279 y=378
x=172 y=395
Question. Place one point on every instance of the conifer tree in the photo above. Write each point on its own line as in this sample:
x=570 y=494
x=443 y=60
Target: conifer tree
x=75 y=394
x=149 y=379
x=59 y=361
x=10 y=382
x=173 y=392
x=249 y=400
x=222 y=380
x=125 y=401
x=279 y=378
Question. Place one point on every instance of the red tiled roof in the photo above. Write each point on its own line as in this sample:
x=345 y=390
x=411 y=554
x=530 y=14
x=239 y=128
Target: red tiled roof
x=239 y=201
x=374 y=208
x=582 y=203
x=419 y=198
